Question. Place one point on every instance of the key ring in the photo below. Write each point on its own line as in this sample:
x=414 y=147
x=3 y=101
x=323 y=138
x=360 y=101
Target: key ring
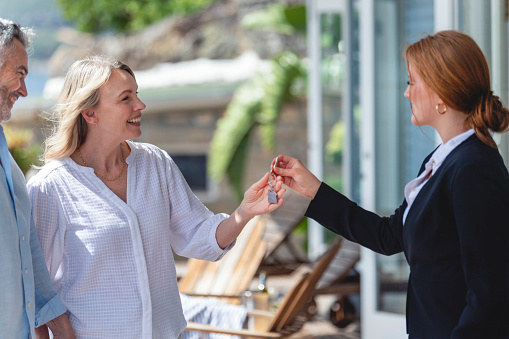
x=273 y=175
x=274 y=183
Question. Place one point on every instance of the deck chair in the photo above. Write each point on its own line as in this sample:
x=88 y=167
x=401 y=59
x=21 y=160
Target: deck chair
x=282 y=256
x=340 y=279
x=334 y=281
x=231 y=275
x=254 y=251
x=291 y=313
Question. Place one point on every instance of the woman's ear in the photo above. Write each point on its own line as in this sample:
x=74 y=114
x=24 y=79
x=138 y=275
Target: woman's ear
x=89 y=116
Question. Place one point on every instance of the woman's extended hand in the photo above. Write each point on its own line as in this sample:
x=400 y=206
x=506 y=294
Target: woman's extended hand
x=296 y=176
x=256 y=197
x=255 y=202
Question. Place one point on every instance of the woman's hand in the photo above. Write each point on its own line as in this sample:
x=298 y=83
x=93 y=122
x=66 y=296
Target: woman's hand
x=296 y=176
x=255 y=202
x=256 y=197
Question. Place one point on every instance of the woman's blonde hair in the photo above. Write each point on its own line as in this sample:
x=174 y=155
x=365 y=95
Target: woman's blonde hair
x=454 y=67
x=79 y=93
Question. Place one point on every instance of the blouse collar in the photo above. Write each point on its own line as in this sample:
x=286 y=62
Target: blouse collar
x=445 y=149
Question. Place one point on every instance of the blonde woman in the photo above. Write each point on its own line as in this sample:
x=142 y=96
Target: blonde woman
x=109 y=211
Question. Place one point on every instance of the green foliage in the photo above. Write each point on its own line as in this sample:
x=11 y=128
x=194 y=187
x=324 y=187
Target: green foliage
x=255 y=103
x=125 y=15
x=278 y=17
x=301 y=231
x=22 y=148
x=335 y=144
x=258 y=102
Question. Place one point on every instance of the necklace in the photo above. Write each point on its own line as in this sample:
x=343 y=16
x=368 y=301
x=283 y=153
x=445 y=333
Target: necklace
x=103 y=177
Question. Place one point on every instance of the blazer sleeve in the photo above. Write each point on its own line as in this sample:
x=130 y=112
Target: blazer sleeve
x=339 y=214
x=480 y=195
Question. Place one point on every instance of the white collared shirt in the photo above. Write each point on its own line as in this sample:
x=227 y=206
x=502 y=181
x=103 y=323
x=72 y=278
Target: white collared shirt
x=111 y=262
x=413 y=188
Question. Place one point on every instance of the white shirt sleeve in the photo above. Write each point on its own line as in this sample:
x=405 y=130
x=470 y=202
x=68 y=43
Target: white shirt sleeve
x=192 y=225
x=46 y=204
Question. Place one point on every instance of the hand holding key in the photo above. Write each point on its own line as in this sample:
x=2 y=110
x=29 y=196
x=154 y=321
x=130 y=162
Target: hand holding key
x=255 y=200
x=271 y=195
x=296 y=176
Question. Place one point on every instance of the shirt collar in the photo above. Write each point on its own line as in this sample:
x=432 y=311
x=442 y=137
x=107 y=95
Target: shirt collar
x=444 y=149
x=2 y=140
x=1 y=130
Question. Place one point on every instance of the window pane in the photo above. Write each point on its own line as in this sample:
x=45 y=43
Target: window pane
x=332 y=67
x=194 y=170
x=339 y=72
x=400 y=146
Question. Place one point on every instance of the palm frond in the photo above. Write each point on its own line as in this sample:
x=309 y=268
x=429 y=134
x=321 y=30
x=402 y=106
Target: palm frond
x=255 y=103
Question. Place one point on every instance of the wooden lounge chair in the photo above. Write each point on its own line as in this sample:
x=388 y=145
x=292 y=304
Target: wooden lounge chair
x=255 y=250
x=282 y=256
x=342 y=280
x=231 y=275
x=291 y=313
x=341 y=266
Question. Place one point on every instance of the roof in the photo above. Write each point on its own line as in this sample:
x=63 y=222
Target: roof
x=189 y=76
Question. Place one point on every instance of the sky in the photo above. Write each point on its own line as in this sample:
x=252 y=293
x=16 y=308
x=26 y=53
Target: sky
x=45 y=18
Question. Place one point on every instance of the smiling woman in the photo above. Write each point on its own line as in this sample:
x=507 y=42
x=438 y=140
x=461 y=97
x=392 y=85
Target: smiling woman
x=109 y=211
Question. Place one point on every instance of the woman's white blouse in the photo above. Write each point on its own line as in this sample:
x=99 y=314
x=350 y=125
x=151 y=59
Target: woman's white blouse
x=111 y=262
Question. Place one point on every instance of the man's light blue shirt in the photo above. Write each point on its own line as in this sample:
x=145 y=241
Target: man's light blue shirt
x=27 y=298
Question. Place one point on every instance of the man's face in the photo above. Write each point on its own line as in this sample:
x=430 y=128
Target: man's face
x=12 y=79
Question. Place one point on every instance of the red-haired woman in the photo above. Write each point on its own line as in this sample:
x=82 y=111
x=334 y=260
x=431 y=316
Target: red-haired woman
x=453 y=225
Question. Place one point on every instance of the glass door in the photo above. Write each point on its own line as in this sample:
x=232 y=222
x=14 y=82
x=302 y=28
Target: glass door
x=333 y=114
x=392 y=149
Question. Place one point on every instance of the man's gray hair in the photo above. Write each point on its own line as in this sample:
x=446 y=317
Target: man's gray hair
x=10 y=31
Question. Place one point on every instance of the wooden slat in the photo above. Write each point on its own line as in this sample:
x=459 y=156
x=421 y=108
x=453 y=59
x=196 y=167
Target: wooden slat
x=281 y=222
x=194 y=269
x=192 y=326
x=296 y=299
x=220 y=283
x=234 y=272
x=248 y=262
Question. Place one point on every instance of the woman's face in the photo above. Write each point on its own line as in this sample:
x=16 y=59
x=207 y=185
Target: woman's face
x=423 y=100
x=119 y=109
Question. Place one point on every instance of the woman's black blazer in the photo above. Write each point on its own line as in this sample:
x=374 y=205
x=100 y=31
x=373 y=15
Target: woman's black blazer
x=455 y=239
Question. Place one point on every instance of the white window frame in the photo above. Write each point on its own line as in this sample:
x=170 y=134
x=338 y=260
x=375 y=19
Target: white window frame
x=374 y=323
x=314 y=8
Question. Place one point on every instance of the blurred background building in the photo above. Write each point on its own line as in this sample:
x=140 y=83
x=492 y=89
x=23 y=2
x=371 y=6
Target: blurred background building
x=321 y=80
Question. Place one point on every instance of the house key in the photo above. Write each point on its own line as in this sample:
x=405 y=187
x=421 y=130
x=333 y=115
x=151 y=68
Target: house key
x=271 y=194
